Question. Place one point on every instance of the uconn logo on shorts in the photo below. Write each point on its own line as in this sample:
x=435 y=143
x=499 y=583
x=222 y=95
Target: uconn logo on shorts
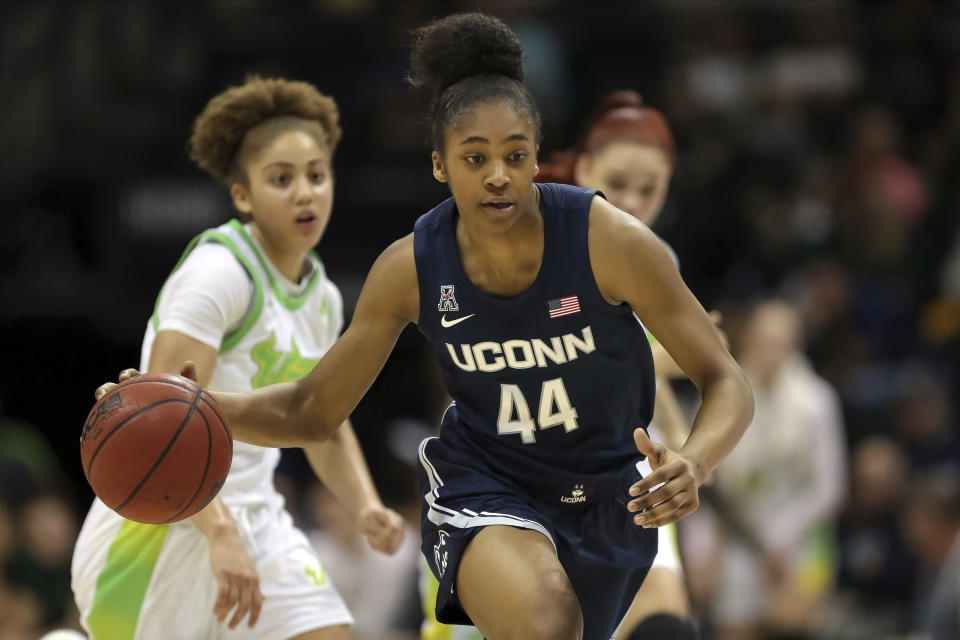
x=576 y=495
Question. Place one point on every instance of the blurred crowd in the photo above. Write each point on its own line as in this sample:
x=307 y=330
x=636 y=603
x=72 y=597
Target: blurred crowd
x=815 y=203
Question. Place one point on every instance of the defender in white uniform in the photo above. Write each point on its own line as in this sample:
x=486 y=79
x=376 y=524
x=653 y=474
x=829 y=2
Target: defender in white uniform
x=232 y=301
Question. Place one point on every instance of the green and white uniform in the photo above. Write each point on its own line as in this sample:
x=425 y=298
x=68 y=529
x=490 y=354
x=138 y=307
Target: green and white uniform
x=154 y=582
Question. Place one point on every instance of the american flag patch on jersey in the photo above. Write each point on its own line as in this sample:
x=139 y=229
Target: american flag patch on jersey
x=563 y=306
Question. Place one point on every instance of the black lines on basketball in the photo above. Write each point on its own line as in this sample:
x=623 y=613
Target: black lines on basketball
x=125 y=421
x=163 y=454
x=206 y=470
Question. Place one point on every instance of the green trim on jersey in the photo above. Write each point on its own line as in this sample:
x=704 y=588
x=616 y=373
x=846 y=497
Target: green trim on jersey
x=122 y=584
x=231 y=339
x=292 y=303
x=250 y=318
x=651 y=338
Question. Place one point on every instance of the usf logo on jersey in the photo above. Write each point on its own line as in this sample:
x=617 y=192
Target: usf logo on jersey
x=275 y=366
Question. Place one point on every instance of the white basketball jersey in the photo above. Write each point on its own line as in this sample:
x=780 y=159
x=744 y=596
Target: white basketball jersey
x=280 y=339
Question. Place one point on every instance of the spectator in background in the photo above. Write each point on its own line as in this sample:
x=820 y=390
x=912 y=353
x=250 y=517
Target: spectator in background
x=20 y=613
x=932 y=524
x=924 y=418
x=41 y=563
x=876 y=572
x=880 y=195
x=780 y=489
x=28 y=464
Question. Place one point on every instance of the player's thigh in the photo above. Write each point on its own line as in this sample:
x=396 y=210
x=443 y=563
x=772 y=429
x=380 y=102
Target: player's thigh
x=339 y=632
x=140 y=581
x=512 y=585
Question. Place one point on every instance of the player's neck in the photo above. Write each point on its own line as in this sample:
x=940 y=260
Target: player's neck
x=507 y=263
x=526 y=232
x=290 y=263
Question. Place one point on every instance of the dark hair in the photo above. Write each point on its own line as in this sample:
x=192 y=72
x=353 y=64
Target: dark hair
x=220 y=140
x=466 y=59
x=620 y=117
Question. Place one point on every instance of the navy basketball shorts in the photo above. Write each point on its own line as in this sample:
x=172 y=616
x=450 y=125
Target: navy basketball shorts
x=605 y=555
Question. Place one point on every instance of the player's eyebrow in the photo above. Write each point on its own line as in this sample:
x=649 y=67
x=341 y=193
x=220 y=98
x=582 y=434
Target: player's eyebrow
x=514 y=136
x=285 y=165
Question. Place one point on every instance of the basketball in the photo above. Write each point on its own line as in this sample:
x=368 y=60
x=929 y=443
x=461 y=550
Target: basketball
x=156 y=449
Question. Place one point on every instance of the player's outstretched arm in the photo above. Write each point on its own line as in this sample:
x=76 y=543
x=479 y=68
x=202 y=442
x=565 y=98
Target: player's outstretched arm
x=631 y=265
x=340 y=464
x=298 y=413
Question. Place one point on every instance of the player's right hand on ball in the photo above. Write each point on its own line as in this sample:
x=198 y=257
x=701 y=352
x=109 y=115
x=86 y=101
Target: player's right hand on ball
x=238 y=584
x=104 y=389
x=188 y=370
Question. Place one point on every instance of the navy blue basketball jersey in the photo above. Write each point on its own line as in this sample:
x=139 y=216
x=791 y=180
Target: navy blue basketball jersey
x=551 y=381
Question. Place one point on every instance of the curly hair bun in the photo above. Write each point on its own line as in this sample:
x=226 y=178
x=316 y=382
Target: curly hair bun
x=462 y=45
x=219 y=131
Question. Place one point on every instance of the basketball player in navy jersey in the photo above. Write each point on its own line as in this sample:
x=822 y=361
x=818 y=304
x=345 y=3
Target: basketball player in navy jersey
x=535 y=518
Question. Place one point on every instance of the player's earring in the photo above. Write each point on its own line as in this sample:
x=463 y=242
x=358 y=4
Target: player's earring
x=536 y=169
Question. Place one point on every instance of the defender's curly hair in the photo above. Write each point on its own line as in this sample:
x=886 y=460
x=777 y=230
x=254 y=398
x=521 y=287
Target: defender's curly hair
x=220 y=143
x=465 y=59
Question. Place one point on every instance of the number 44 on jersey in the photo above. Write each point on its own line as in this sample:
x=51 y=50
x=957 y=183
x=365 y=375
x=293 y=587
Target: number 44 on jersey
x=554 y=410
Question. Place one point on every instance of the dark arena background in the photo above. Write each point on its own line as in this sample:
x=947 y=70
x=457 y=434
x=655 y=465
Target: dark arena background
x=818 y=163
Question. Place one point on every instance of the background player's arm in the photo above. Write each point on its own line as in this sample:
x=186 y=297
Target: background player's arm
x=340 y=464
x=668 y=416
x=663 y=362
x=237 y=580
x=654 y=290
x=311 y=409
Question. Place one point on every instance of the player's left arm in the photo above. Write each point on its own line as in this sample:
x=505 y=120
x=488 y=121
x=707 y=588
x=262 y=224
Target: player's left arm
x=631 y=265
x=340 y=464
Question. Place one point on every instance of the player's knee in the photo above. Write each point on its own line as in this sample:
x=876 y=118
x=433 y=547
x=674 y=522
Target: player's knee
x=556 y=615
x=553 y=625
x=664 y=625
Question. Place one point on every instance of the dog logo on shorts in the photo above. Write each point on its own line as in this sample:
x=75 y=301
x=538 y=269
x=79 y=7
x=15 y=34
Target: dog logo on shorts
x=577 y=495
x=440 y=554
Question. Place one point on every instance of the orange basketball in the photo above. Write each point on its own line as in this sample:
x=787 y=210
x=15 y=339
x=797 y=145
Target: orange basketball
x=156 y=449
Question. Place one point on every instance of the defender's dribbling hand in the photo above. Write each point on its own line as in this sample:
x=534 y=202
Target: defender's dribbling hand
x=188 y=370
x=675 y=498
x=383 y=528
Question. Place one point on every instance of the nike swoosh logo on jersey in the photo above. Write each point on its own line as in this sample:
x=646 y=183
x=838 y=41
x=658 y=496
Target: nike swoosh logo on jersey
x=449 y=323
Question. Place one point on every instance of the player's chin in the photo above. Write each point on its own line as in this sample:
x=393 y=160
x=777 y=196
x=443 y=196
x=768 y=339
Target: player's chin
x=306 y=238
